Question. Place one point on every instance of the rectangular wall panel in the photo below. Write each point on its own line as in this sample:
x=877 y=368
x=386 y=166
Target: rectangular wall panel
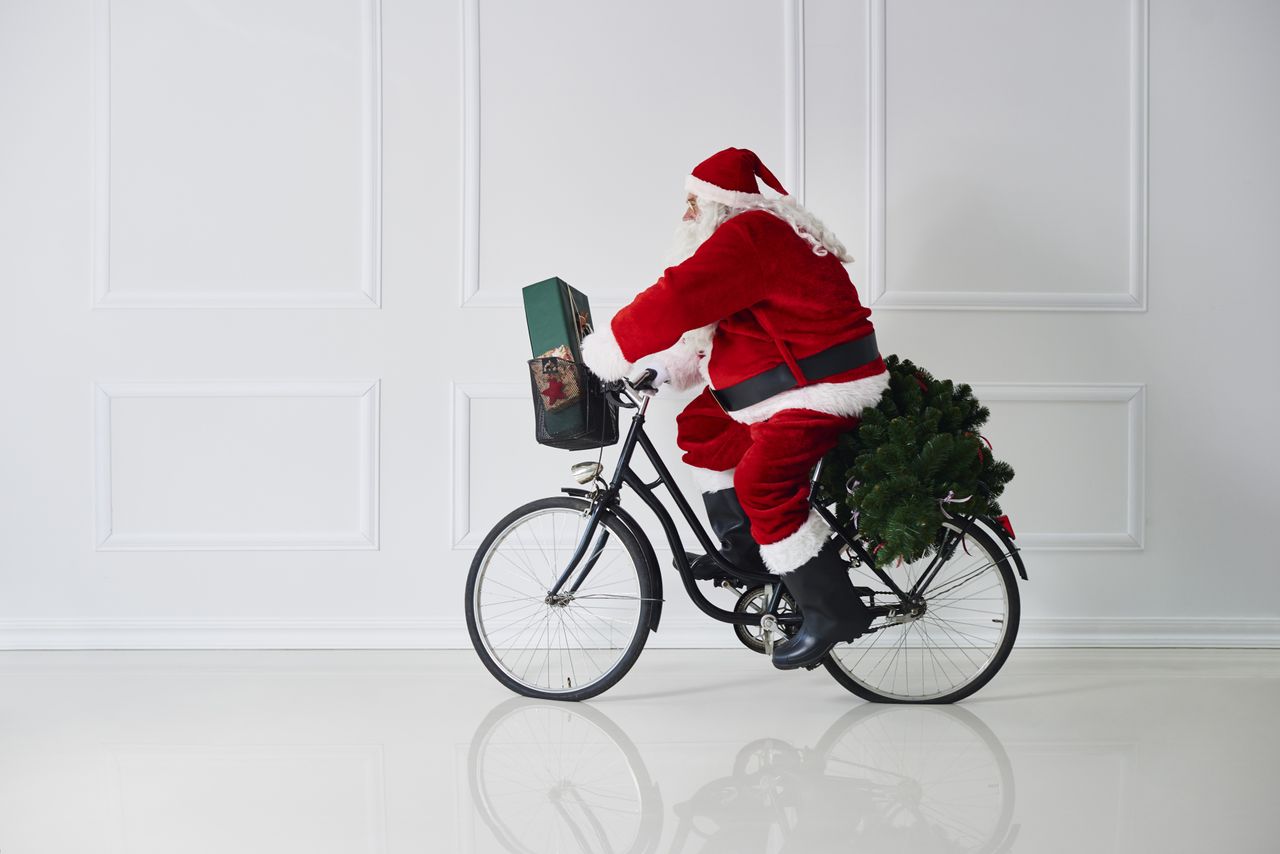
x=1064 y=442
x=1008 y=155
x=1078 y=457
x=497 y=465
x=547 y=188
x=237 y=465
x=237 y=153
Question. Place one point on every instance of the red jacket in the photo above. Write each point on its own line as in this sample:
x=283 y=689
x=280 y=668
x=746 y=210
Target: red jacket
x=769 y=296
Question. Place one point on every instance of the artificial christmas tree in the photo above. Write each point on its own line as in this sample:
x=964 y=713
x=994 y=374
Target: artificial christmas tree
x=919 y=447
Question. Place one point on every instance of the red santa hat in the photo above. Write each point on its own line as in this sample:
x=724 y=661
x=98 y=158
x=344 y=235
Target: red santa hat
x=729 y=177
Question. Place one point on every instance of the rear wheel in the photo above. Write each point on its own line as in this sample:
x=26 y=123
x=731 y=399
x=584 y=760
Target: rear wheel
x=566 y=647
x=948 y=646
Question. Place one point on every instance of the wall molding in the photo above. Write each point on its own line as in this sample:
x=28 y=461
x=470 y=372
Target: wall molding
x=695 y=632
x=1134 y=396
x=793 y=145
x=364 y=536
x=472 y=293
x=462 y=536
x=1131 y=394
x=879 y=296
x=368 y=294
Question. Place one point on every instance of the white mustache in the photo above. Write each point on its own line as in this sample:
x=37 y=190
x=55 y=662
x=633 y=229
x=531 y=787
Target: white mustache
x=691 y=233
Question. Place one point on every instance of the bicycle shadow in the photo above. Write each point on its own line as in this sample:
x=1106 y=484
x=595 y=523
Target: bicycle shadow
x=881 y=777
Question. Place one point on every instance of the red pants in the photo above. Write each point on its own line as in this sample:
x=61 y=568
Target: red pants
x=773 y=459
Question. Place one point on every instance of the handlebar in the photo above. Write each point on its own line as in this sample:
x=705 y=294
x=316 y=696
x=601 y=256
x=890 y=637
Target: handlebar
x=625 y=394
x=645 y=381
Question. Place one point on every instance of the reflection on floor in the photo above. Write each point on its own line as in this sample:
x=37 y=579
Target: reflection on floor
x=710 y=751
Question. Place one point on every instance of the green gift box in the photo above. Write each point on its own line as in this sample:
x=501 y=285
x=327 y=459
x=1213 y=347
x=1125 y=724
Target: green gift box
x=557 y=316
x=570 y=408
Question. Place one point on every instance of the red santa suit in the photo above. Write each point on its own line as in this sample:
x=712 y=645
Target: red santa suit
x=754 y=298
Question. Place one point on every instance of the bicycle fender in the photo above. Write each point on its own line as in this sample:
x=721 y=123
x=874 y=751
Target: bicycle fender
x=650 y=557
x=970 y=523
x=1007 y=542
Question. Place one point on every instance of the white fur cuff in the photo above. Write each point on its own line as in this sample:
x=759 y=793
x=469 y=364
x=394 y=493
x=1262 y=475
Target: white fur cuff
x=602 y=355
x=709 y=480
x=797 y=549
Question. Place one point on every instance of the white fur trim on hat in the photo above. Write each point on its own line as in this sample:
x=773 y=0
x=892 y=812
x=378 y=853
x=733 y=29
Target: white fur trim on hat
x=732 y=198
x=602 y=355
x=798 y=548
x=710 y=480
x=843 y=399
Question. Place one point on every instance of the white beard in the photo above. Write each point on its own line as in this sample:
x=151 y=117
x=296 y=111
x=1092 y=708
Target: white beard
x=711 y=215
x=690 y=234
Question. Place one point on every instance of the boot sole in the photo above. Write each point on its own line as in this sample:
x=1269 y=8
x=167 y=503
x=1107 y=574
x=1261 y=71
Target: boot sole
x=805 y=665
x=818 y=661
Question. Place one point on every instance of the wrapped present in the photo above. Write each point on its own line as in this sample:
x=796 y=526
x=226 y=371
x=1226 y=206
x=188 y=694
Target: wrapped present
x=569 y=406
x=557 y=316
x=555 y=379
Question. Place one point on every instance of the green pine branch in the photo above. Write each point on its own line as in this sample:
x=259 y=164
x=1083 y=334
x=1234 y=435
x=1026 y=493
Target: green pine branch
x=919 y=443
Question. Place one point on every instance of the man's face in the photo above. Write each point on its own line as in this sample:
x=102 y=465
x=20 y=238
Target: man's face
x=691 y=208
x=695 y=226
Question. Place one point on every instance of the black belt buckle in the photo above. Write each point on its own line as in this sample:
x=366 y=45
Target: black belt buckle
x=715 y=395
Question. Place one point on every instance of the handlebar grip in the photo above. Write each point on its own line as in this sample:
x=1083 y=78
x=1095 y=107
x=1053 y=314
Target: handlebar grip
x=645 y=380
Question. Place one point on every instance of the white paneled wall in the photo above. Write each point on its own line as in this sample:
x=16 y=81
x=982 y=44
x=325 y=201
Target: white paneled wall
x=237 y=124
x=1069 y=205
x=1012 y=143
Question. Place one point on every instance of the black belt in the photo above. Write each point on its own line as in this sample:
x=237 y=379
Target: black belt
x=829 y=362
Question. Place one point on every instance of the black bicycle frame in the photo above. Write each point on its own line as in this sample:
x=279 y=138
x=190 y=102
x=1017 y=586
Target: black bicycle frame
x=604 y=498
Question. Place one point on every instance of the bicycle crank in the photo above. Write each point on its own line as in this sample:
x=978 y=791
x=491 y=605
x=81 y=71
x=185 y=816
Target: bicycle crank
x=768 y=628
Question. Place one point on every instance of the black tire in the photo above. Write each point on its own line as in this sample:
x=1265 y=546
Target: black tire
x=638 y=634
x=836 y=660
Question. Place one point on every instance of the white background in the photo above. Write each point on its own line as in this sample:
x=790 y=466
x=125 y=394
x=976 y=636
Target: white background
x=261 y=343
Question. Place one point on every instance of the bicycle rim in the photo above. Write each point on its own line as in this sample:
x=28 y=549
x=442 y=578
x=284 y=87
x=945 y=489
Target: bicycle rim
x=949 y=651
x=556 y=648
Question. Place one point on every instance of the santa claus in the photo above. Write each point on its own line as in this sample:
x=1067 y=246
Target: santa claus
x=758 y=306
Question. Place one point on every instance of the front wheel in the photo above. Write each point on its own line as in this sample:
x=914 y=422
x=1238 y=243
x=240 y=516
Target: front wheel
x=952 y=645
x=573 y=645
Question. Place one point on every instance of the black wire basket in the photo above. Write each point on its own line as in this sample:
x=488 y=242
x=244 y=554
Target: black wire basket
x=570 y=409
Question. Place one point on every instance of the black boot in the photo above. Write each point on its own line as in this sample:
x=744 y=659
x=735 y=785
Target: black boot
x=730 y=524
x=830 y=607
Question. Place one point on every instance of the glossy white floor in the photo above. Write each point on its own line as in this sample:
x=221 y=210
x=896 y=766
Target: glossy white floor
x=353 y=752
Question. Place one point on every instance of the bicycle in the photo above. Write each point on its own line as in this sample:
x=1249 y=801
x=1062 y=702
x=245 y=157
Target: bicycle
x=570 y=629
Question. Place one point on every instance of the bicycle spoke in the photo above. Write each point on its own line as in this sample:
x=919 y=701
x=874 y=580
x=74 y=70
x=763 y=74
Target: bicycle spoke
x=957 y=581
x=946 y=647
x=564 y=644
